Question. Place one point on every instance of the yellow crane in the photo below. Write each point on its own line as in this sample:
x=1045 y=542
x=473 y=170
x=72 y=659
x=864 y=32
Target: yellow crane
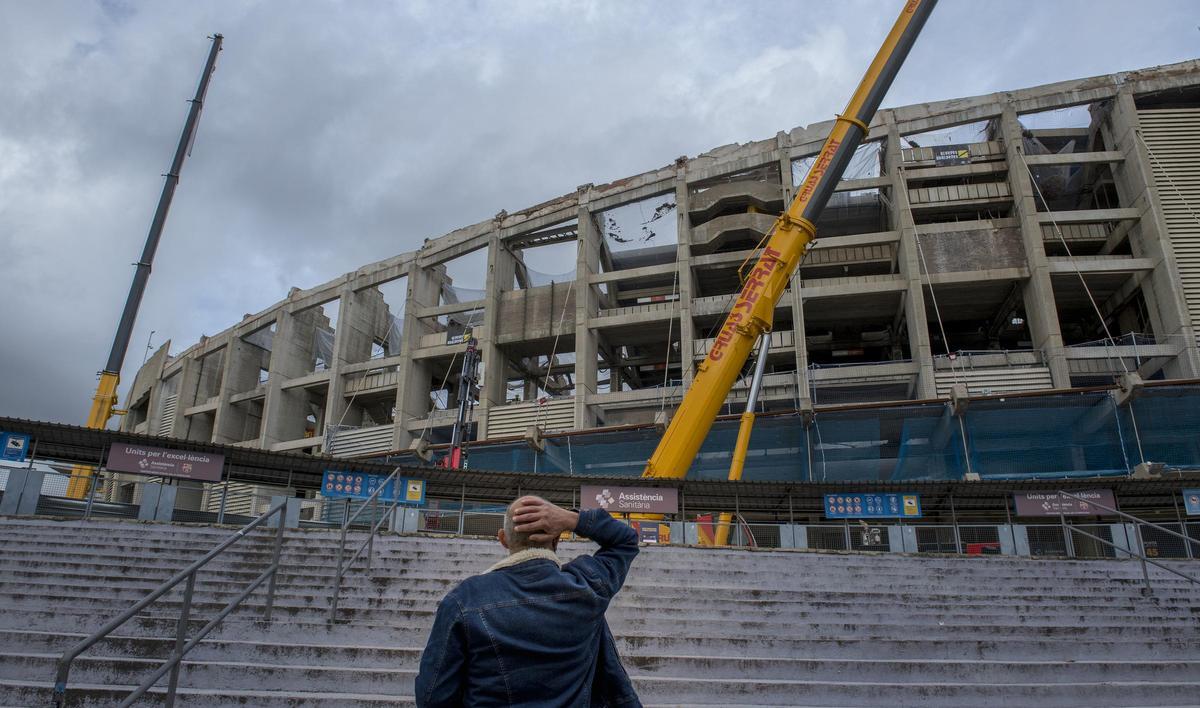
x=789 y=238
x=104 y=403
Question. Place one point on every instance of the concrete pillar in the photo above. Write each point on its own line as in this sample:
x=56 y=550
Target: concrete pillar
x=587 y=305
x=687 y=287
x=502 y=266
x=1136 y=187
x=285 y=410
x=796 y=300
x=362 y=318
x=1038 y=292
x=242 y=363
x=415 y=375
x=908 y=262
x=188 y=395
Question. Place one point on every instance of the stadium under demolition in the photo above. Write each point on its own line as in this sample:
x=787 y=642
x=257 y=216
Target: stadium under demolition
x=949 y=455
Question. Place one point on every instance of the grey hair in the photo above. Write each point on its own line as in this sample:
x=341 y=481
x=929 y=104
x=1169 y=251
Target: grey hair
x=519 y=540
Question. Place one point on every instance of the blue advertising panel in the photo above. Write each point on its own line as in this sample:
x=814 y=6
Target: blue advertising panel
x=340 y=484
x=872 y=506
x=1191 y=501
x=14 y=447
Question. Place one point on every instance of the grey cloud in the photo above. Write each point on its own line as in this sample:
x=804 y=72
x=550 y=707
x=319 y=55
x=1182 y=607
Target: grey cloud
x=340 y=133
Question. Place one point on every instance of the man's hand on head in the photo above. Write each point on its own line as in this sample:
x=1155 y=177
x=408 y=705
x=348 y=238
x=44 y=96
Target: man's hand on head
x=542 y=520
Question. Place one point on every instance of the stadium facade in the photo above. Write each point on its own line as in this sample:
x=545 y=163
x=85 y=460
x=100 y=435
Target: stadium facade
x=1036 y=240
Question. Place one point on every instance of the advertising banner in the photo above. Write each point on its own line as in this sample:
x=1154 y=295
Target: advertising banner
x=872 y=506
x=339 y=484
x=161 y=462
x=620 y=500
x=1054 y=504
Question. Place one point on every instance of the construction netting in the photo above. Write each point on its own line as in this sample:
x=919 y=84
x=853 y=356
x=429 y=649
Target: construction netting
x=1027 y=437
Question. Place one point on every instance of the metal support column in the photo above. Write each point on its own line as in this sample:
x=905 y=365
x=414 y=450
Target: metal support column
x=957 y=534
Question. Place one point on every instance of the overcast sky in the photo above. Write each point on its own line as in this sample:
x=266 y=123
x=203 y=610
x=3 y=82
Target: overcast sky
x=337 y=134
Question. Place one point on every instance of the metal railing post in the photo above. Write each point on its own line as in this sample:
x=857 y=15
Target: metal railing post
x=1137 y=532
x=180 y=638
x=224 y=498
x=1067 y=540
x=371 y=536
x=1012 y=531
x=91 y=500
x=462 y=506
x=275 y=563
x=957 y=534
x=1187 y=545
x=337 y=579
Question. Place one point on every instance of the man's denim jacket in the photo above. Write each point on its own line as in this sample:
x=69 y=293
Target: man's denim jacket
x=532 y=633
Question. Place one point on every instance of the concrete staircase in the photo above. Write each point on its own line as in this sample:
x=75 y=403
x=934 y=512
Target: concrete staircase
x=695 y=626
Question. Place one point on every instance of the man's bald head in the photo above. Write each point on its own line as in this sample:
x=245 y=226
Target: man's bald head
x=515 y=540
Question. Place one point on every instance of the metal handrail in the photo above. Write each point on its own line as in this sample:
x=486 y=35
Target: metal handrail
x=182 y=644
x=1138 y=528
x=369 y=543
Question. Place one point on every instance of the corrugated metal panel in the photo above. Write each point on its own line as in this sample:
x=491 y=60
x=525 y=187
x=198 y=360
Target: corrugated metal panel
x=999 y=380
x=556 y=414
x=166 y=420
x=1173 y=136
x=243 y=498
x=363 y=442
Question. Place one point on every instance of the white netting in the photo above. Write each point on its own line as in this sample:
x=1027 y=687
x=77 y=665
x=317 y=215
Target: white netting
x=538 y=279
x=452 y=294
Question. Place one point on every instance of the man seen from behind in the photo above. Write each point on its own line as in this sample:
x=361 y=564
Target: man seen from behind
x=531 y=630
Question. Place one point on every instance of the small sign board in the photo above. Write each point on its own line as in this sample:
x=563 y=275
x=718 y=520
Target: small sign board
x=14 y=447
x=623 y=500
x=1191 y=501
x=457 y=334
x=1055 y=504
x=163 y=462
x=872 y=506
x=944 y=155
x=340 y=484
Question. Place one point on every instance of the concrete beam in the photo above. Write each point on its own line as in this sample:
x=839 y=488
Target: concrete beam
x=1099 y=264
x=1087 y=216
x=1076 y=158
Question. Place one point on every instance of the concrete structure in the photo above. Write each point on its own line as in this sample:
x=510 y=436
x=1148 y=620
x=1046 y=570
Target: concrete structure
x=972 y=242
x=816 y=630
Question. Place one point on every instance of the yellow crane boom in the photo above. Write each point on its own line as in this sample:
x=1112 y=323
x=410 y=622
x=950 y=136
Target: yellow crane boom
x=791 y=235
x=104 y=403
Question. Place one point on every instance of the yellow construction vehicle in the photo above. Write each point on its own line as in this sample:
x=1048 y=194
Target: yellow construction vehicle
x=785 y=245
x=104 y=403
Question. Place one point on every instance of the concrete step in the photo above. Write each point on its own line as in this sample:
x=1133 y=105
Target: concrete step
x=695 y=626
x=104 y=573
x=631 y=607
x=673 y=691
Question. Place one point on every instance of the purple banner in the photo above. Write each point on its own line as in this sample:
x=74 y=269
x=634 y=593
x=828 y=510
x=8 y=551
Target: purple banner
x=1054 y=504
x=619 y=500
x=161 y=462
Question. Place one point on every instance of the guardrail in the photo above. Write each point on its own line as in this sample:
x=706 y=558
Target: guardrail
x=369 y=544
x=182 y=644
x=1138 y=522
